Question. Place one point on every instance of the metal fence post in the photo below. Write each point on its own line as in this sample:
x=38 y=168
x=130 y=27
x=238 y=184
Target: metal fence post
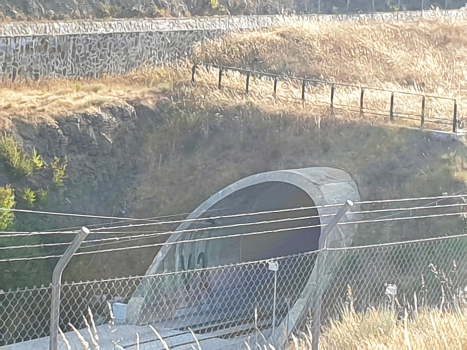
x=274 y=266
x=247 y=87
x=220 y=78
x=391 y=112
x=303 y=89
x=56 y=286
x=423 y=110
x=332 y=96
x=275 y=87
x=454 y=117
x=362 y=92
x=319 y=289
x=193 y=72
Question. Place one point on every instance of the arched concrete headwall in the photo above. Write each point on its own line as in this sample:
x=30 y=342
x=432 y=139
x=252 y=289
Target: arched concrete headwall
x=277 y=193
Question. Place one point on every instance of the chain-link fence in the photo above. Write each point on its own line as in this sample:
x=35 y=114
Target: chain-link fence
x=250 y=301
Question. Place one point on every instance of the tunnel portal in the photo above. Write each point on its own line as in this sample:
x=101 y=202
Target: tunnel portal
x=226 y=283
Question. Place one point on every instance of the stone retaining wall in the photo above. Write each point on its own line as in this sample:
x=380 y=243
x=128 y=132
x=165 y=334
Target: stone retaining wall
x=94 y=48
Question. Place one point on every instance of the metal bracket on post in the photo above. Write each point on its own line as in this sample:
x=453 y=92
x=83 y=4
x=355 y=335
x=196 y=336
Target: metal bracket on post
x=317 y=300
x=56 y=285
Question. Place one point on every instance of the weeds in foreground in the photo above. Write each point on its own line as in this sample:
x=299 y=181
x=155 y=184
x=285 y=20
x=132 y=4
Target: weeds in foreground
x=395 y=325
x=374 y=329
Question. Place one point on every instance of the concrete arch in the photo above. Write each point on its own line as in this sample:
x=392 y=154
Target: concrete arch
x=270 y=191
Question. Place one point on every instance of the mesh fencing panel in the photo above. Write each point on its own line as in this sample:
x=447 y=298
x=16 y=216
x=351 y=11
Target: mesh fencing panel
x=247 y=300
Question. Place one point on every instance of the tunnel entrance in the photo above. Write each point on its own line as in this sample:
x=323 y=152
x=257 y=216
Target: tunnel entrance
x=252 y=245
x=211 y=298
x=220 y=282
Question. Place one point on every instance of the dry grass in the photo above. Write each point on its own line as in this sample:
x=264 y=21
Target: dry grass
x=427 y=56
x=379 y=329
x=45 y=100
x=373 y=330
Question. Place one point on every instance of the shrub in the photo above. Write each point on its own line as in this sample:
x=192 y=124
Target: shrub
x=29 y=196
x=7 y=201
x=37 y=160
x=166 y=87
x=59 y=170
x=18 y=162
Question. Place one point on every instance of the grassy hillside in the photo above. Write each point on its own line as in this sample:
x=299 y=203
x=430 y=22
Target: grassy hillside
x=425 y=56
x=208 y=138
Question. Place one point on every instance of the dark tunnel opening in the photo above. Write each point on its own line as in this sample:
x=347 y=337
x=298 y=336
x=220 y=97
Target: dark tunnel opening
x=243 y=285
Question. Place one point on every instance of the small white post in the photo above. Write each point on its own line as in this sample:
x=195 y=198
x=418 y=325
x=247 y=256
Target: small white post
x=274 y=266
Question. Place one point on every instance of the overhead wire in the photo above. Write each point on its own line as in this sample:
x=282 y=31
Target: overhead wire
x=280 y=211
x=231 y=236
x=156 y=222
x=123 y=220
x=165 y=233
x=188 y=220
x=151 y=235
x=142 y=236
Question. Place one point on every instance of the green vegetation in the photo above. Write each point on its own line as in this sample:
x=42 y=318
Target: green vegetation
x=7 y=201
x=29 y=196
x=166 y=86
x=214 y=4
x=37 y=160
x=78 y=87
x=19 y=163
x=59 y=171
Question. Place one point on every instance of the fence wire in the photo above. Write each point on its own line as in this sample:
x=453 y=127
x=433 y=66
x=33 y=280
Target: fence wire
x=247 y=300
x=410 y=108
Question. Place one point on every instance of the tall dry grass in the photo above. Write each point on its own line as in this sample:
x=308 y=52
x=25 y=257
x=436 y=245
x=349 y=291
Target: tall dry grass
x=381 y=329
x=426 y=56
x=428 y=329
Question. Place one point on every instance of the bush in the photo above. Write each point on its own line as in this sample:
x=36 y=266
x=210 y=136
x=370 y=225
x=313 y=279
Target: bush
x=7 y=201
x=18 y=162
x=38 y=161
x=29 y=196
x=59 y=169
